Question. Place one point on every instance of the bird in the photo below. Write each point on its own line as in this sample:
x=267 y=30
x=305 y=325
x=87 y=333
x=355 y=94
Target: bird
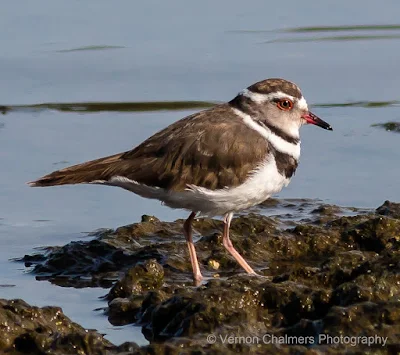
x=215 y=162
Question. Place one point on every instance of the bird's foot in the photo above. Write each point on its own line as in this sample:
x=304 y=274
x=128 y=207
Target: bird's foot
x=198 y=279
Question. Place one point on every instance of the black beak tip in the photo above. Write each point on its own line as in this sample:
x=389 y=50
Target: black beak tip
x=329 y=128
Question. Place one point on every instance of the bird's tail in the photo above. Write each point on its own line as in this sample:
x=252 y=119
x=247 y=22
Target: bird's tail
x=89 y=172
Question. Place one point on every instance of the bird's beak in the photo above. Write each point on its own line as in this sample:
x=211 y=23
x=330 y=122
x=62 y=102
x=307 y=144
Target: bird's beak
x=313 y=119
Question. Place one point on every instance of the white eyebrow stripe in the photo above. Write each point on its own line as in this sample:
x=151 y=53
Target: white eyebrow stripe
x=261 y=98
x=302 y=103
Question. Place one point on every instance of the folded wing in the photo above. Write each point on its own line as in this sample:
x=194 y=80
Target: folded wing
x=211 y=149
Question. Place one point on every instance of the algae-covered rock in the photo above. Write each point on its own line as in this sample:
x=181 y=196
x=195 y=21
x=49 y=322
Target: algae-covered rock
x=322 y=270
x=390 y=209
x=32 y=330
x=389 y=126
x=144 y=276
x=375 y=234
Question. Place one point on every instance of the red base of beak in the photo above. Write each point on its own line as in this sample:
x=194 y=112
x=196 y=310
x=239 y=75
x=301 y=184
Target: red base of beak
x=314 y=119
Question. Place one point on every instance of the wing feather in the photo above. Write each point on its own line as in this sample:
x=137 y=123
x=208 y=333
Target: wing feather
x=211 y=149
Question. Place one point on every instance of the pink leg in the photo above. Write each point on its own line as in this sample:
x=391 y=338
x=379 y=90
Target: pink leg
x=187 y=231
x=229 y=246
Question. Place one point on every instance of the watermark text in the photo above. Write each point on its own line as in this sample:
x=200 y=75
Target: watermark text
x=321 y=339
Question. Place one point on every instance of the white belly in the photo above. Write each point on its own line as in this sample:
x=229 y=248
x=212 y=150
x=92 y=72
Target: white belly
x=261 y=184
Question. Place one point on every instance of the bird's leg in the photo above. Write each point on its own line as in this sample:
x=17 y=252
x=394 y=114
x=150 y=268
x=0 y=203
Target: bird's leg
x=187 y=231
x=229 y=246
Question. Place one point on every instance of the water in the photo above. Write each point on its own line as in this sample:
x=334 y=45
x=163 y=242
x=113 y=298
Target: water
x=96 y=51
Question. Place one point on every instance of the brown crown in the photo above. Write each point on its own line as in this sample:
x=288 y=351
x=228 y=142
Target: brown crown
x=273 y=85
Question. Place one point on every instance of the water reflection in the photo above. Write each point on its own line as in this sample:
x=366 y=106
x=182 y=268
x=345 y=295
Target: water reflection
x=356 y=33
x=89 y=107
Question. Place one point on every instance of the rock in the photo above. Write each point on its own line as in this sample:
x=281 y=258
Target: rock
x=389 y=126
x=325 y=274
x=390 y=209
x=375 y=234
x=144 y=276
x=33 y=330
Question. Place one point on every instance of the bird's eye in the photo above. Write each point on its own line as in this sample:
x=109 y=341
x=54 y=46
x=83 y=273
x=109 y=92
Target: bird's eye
x=284 y=104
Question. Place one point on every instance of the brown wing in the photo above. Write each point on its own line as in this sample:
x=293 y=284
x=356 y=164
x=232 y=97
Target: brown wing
x=212 y=149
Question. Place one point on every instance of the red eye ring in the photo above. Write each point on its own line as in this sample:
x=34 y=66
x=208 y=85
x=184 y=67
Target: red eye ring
x=285 y=104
